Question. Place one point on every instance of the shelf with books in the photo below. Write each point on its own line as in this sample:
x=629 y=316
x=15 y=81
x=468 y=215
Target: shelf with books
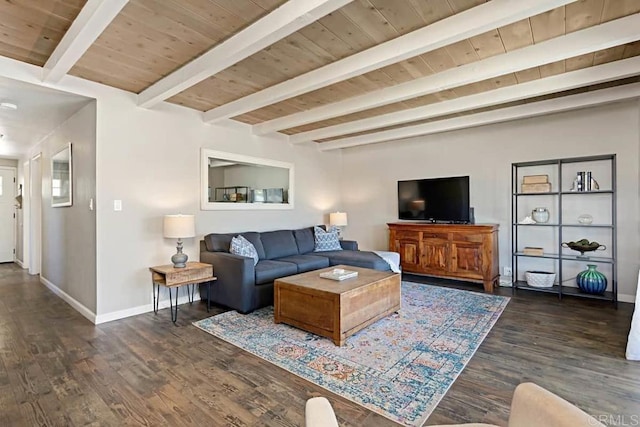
x=562 y=177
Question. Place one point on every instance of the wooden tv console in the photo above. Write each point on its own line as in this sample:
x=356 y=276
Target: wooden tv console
x=456 y=251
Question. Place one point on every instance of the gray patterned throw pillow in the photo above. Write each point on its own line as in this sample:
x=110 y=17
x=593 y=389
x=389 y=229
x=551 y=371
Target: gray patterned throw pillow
x=326 y=240
x=243 y=247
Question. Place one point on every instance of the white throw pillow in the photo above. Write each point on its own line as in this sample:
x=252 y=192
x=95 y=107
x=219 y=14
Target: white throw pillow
x=243 y=247
x=326 y=240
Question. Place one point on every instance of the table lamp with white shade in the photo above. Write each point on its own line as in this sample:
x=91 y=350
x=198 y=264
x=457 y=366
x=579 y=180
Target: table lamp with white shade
x=179 y=227
x=338 y=220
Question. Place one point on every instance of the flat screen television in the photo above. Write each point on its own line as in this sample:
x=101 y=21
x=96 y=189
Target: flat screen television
x=435 y=199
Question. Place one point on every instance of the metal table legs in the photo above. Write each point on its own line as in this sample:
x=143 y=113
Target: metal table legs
x=174 y=307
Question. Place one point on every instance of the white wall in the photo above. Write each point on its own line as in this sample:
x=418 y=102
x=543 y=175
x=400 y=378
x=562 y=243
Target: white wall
x=68 y=243
x=9 y=162
x=370 y=173
x=257 y=177
x=150 y=160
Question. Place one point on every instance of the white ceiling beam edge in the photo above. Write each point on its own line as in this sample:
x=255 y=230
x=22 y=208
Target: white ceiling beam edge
x=461 y=26
x=92 y=20
x=246 y=128
x=535 y=109
x=599 y=37
x=558 y=83
x=282 y=22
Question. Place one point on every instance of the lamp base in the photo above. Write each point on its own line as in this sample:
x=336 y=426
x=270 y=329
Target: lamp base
x=179 y=259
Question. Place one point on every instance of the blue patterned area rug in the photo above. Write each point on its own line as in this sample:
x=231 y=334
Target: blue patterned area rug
x=399 y=367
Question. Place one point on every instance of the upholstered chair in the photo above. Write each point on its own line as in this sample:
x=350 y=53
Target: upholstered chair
x=532 y=406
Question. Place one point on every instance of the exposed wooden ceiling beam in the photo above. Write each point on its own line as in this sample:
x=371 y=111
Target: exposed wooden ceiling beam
x=280 y=23
x=557 y=105
x=558 y=83
x=94 y=17
x=595 y=38
x=461 y=26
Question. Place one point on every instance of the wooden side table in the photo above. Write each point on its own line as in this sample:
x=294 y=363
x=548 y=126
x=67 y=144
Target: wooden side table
x=171 y=277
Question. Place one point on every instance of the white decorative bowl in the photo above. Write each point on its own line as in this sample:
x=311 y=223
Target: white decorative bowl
x=540 y=279
x=585 y=219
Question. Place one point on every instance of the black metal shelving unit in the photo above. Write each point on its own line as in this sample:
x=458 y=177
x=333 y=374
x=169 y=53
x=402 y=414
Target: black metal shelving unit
x=558 y=193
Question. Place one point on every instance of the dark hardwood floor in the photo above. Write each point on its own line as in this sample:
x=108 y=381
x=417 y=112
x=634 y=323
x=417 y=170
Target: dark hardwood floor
x=56 y=368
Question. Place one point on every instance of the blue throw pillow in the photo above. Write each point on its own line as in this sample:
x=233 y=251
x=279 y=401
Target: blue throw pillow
x=243 y=247
x=326 y=240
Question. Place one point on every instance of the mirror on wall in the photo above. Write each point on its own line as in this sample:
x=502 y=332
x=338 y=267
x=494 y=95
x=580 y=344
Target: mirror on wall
x=238 y=182
x=62 y=178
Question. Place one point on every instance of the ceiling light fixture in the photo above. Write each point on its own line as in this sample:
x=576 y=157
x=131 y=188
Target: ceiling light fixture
x=8 y=106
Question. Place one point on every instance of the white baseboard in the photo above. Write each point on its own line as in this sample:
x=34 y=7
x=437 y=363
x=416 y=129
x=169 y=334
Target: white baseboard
x=141 y=309
x=626 y=298
x=78 y=306
x=115 y=315
x=20 y=263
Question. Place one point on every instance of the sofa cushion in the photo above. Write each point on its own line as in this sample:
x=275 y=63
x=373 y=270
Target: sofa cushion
x=307 y=262
x=217 y=242
x=256 y=241
x=278 y=244
x=267 y=270
x=357 y=259
x=326 y=240
x=305 y=240
x=241 y=246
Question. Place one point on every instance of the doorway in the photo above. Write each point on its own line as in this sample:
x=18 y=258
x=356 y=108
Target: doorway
x=26 y=175
x=35 y=214
x=7 y=213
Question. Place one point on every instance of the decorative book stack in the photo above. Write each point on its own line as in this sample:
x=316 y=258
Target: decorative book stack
x=536 y=184
x=339 y=274
x=531 y=250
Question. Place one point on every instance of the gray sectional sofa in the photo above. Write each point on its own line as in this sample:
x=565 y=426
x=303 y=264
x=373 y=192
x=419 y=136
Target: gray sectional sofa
x=245 y=287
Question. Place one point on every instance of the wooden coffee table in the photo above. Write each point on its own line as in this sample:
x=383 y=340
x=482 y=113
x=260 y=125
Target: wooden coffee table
x=336 y=309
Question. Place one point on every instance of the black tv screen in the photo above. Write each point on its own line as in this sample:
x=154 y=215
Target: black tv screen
x=435 y=199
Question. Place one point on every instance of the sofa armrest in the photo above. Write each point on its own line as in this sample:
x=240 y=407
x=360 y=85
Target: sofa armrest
x=235 y=284
x=349 y=245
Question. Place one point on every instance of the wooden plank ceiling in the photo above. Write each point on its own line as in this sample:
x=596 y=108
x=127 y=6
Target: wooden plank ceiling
x=31 y=30
x=150 y=39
